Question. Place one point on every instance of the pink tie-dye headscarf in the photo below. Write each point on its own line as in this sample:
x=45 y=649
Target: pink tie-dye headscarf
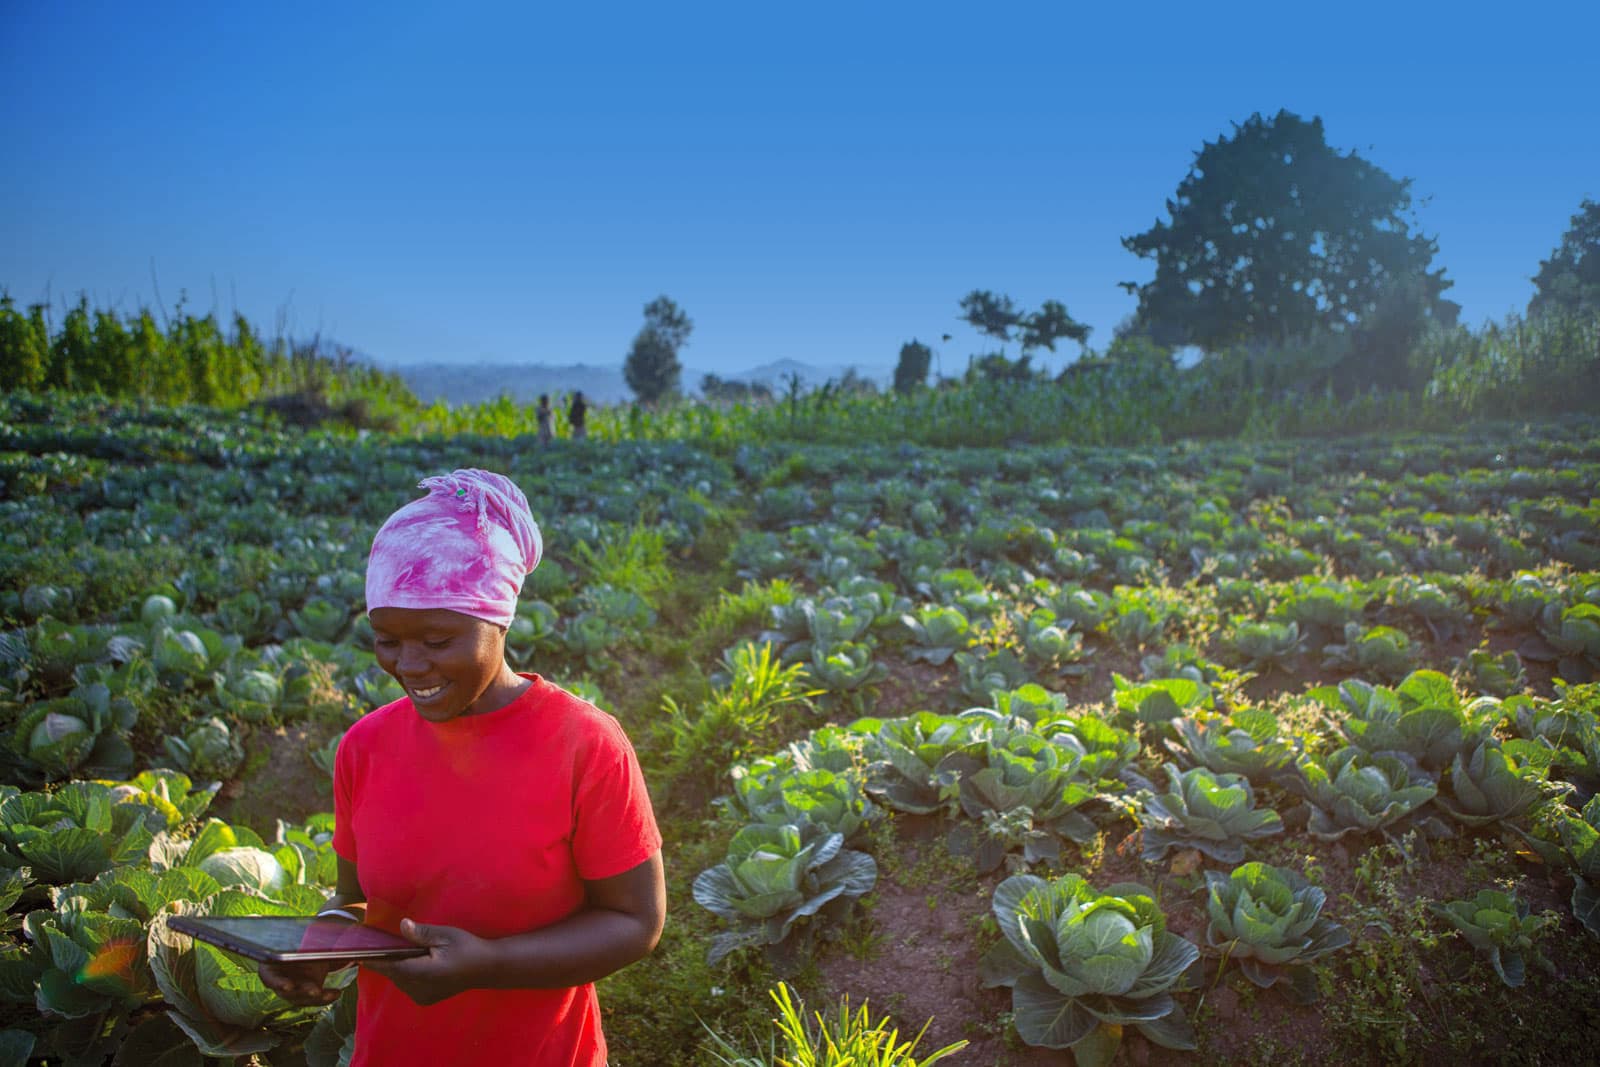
x=466 y=546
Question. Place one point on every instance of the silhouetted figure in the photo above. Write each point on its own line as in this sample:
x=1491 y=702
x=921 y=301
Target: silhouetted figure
x=577 y=414
x=545 y=417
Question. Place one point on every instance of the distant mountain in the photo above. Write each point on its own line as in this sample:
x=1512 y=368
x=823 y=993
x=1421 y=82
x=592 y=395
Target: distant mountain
x=474 y=383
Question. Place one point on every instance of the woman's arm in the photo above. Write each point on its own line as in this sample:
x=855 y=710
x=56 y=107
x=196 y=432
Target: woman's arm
x=620 y=922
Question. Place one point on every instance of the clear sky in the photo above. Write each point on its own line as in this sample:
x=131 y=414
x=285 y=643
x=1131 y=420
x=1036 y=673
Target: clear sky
x=819 y=181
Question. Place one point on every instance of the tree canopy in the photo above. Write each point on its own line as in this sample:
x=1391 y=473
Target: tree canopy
x=1273 y=235
x=652 y=369
x=911 y=369
x=997 y=316
x=1570 y=279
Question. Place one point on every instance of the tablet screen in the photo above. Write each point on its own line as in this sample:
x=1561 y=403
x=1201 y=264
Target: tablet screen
x=271 y=937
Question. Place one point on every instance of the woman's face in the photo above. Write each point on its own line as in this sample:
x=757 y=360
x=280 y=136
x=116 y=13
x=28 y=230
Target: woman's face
x=449 y=663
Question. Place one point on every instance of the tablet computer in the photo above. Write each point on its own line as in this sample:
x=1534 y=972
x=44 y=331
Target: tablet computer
x=293 y=939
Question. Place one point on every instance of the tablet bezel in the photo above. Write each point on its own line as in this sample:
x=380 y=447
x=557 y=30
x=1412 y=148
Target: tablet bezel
x=199 y=927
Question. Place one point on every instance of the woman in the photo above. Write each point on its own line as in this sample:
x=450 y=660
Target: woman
x=492 y=817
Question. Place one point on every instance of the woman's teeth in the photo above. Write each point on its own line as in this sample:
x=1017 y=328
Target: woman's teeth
x=425 y=694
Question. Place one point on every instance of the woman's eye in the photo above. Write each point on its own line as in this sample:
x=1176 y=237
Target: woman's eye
x=384 y=642
x=436 y=644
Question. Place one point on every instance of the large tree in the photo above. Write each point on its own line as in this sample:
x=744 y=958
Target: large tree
x=911 y=369
x=1274 y=235
x=1570 y=279
x=652 y=369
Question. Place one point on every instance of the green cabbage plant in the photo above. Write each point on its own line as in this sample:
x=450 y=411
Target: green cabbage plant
x=320 y=619
x=72 y=834
x=1422 y=717
x=252 y=695
x=206 y=748
x=1050 y=644
x=1570 y=637
x=1572 y=842
x=1158 y=701
x=845 y=667
x=1498 y=676
x=1488 y=786
x=830 y=802
x=1381 y=650
x=1214 y=813
x=84 y=733
x=937 y=632
x=1018 y=771
x=1499 y=926
x=1270 y=920
x=775 y=876
x=1246 y=742
x=1353 y=792
x=88 y=956
x=1261 y=646
x=909 y=774
x=982 y=673
x=1082 y=965
x=217 y=998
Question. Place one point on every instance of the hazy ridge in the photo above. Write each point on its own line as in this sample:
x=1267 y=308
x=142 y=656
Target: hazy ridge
x=473 y=383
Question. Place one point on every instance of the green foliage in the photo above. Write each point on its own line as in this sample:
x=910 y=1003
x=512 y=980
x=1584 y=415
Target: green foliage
x=1082 y=965
x=1272 y=235
x=194 y=361
x=1489 y=786
x=652 y=369
x=774 y=877
x=848 y=1039
x=1025 y=792
x=1352 y=792
x=1214 y=813
x=1498 y=925
x=911 y=368
x=1569 y=281
x=1270 y=920
x=1246 y=742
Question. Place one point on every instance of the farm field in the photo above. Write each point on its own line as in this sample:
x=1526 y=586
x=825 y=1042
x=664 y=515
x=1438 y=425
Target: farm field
x=1280 y=750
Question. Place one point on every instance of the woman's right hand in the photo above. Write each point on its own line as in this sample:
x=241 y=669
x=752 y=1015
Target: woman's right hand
x=299 y=983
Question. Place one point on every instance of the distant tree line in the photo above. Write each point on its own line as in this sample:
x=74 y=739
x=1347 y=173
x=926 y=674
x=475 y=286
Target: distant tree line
x=186 y=360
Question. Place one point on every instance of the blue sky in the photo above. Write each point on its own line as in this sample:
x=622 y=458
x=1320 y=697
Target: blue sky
x=822 y=182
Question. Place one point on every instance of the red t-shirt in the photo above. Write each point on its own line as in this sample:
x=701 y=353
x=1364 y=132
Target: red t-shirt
x=489 y=823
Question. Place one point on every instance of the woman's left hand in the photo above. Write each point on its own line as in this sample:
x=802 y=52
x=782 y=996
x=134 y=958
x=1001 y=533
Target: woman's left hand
x=456 y=961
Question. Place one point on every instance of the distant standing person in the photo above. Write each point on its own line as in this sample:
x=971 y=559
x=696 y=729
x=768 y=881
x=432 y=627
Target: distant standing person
x=577 y=413
x=545 y=415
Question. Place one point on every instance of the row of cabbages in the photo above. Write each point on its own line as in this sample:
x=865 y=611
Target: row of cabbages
x=89 y=874
x=1018 y=781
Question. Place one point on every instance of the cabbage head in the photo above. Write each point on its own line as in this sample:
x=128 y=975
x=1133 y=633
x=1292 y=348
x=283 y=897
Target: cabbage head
x=1082 y=965
x=1352 y=792
x=1248 y=742
x=1214 y=813
x=775 y=876
x=1270 y=920
x=245 y=867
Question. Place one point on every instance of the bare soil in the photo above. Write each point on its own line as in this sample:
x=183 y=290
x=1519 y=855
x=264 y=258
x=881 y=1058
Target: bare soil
x=278 y=779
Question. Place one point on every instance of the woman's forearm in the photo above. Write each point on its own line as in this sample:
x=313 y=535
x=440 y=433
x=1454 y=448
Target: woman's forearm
x=582 y=948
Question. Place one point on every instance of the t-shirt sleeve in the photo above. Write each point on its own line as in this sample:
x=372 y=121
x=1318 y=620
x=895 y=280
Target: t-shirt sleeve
x=344 y=835
x=615 y=826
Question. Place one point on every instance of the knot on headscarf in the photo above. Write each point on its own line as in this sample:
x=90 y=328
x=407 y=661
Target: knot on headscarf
x=466 y=547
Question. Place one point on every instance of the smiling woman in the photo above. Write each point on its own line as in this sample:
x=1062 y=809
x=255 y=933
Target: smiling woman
x=489 y=816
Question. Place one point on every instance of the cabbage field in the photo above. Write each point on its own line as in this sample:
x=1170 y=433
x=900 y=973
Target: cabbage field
x=1277 y=751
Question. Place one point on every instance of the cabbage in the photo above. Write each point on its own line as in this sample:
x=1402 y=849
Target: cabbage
x=157 y=607
x=55 y=728
x=252 y=868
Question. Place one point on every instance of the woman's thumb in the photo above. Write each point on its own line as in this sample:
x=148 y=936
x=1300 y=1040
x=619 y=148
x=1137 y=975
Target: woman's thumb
x=420 y=933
